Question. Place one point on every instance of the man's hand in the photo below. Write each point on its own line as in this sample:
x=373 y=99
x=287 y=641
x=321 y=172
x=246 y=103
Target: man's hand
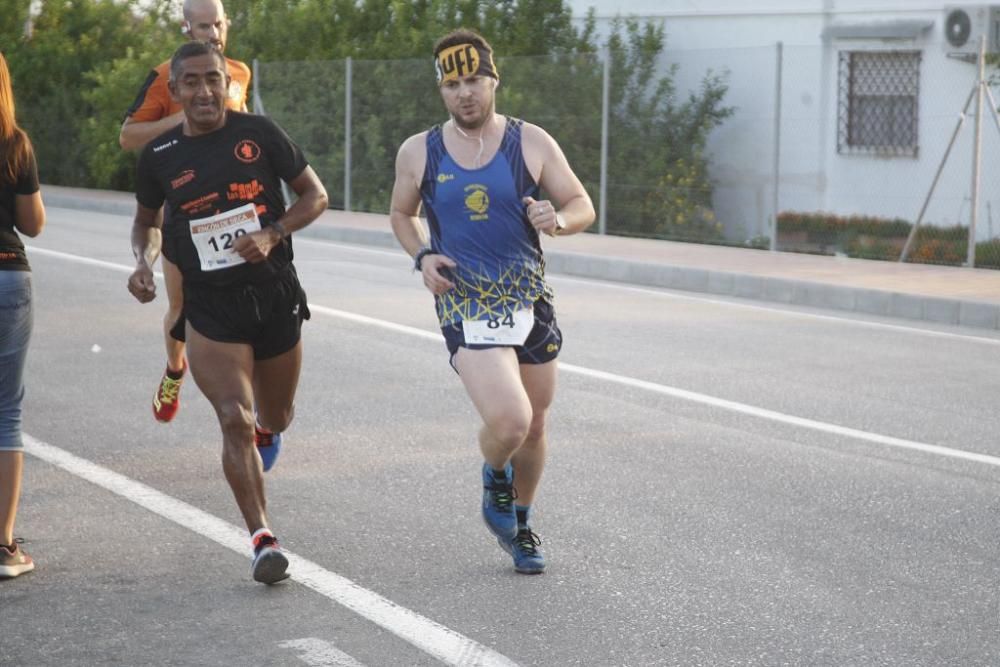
x=256 y=246
x=542 y=215
x=435 y=270
x=141 y=283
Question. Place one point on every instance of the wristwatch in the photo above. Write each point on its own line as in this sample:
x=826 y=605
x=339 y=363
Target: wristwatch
x=560 y=225
x=423 y=252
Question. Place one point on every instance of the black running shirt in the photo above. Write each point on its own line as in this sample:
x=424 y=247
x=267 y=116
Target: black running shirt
x=241 y=163
x=12 y=257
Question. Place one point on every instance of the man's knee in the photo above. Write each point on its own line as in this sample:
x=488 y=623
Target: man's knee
x=536 y=431
x=236 y=422
x=511 y=429
x=275 y=419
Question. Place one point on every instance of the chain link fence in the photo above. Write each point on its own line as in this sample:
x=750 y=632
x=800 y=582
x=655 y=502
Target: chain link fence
x=826 y=150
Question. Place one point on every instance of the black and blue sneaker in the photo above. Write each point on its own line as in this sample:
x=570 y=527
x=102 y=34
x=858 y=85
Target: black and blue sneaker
x=268 y=446
x=498 y=503
x=524 y=548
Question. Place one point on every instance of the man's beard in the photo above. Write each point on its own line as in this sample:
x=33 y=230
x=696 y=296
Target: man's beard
x=476 y=124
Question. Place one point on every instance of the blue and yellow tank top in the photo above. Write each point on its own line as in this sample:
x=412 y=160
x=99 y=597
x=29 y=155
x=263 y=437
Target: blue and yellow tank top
x=476 y=218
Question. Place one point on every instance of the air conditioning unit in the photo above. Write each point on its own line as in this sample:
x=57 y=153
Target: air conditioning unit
x=964 y=25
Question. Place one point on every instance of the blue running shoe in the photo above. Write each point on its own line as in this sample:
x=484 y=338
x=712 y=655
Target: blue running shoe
x=268 y=446
x=498 y=503
x=524 y=548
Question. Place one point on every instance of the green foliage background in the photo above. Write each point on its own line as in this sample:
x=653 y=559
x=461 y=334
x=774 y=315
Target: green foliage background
x=85 y=60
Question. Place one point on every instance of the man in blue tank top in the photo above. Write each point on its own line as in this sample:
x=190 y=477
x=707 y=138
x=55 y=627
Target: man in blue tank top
x=479 y=178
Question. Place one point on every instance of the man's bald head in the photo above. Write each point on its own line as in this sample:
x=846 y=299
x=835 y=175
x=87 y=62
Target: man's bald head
x=205 y=21
x=201 y=5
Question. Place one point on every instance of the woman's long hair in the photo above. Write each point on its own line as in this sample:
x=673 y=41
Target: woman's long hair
x=15 y=147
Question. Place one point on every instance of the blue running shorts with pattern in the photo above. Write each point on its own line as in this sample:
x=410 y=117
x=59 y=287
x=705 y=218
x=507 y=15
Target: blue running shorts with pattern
x=541 y=346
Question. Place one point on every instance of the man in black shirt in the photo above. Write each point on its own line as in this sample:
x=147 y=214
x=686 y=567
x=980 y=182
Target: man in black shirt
x=221 y=171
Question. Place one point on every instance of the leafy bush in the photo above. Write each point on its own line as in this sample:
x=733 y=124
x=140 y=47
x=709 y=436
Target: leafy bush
x=868 y=237
x=657 y=142
x=831 y=224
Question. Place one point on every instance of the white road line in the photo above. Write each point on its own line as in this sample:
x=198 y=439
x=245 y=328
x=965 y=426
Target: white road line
x=83 y=260
x=446 y=645
x=787 y=311
x=666 y=390
x=371 y=321
x=318 y=653
x=669 y=293
x=792 y=420
x=704 y=399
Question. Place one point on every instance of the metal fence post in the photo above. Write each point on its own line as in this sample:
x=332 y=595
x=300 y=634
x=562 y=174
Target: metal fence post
x=348 y=73
x=258 y=104
x=258 y=109
x=602 y=218
x=977 y=154
x=777 y=144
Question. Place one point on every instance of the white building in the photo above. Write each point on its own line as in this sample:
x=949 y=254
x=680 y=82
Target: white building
x=870 y=93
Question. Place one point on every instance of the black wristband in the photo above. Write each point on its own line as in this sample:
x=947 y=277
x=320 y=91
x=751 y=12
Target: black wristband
x=282 y=232
x=423 y=252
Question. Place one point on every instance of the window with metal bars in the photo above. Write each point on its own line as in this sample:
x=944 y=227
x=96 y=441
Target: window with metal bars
x=879 y=98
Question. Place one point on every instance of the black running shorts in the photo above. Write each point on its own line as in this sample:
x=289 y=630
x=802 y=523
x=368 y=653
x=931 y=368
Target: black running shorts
x=541 y=346
x=267 y=316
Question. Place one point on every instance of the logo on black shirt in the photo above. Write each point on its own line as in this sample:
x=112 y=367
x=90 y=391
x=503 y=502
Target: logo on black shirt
x=183 y=178
x=157 y=149
x=247 y=151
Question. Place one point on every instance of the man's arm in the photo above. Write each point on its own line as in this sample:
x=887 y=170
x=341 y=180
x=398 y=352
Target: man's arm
x=136 y=134
x=146 y=241
x=404 y=207
x=312 y=201
x=404 y=212
x=552 y=172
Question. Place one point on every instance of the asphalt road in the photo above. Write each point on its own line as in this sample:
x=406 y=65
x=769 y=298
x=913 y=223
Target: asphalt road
x=728 y=484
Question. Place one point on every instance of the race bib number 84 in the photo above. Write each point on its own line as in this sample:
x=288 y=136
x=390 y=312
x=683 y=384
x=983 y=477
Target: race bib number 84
x=214 y=237
x=511 y=329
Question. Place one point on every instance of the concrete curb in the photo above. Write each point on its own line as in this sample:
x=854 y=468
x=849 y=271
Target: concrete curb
x=869 y=301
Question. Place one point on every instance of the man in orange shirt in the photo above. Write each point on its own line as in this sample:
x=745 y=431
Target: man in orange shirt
x=153 y=113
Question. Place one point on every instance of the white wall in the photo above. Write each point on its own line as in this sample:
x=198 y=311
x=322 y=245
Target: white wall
x=740 y=37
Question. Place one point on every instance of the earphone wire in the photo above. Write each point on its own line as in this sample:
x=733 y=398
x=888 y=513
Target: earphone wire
x=482 y=145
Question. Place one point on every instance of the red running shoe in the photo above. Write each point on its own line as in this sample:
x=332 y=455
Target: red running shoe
x=167 y=399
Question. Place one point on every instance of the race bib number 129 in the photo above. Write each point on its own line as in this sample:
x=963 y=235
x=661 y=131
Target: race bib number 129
x=214 y=237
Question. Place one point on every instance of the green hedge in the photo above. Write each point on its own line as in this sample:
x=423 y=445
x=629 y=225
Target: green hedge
x=869 y=237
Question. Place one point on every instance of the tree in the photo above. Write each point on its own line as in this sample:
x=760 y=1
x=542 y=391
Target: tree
x=13 y=19
x=392 y=97
x=86 y=60
x=70 y=39
x=657 y=148
x=113 y=86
